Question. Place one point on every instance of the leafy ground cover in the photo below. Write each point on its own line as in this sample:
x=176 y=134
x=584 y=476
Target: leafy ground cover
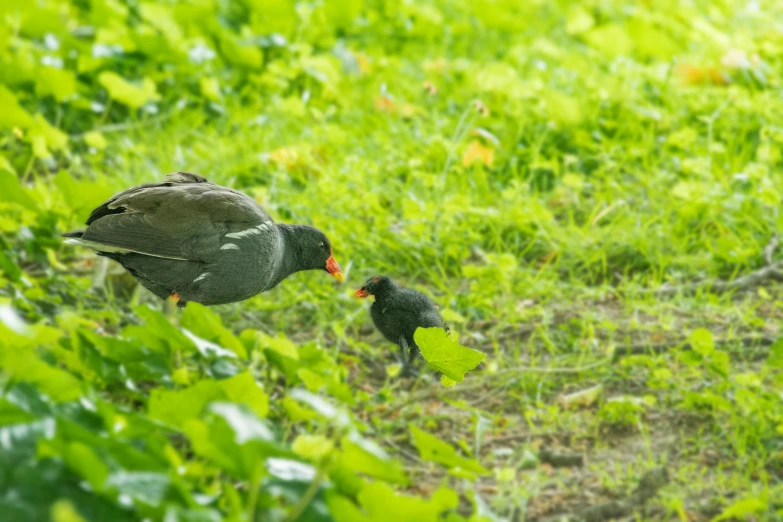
x=589 y=191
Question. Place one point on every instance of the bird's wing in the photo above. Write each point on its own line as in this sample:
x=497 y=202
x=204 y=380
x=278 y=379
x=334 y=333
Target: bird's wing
x=420 y=306
x=414 y=307
x=108 y=207
x=184 y=217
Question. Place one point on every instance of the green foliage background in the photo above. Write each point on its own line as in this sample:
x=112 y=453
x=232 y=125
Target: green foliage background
x=536 y=167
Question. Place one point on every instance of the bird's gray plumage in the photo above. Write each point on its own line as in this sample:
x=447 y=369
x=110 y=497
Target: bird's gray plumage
x=204 y=242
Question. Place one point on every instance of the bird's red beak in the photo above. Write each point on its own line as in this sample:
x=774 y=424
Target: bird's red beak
x=362 y=293
x=333 y=268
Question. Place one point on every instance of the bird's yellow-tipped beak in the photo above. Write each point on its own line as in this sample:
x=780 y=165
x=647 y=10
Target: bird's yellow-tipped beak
x=333 y=268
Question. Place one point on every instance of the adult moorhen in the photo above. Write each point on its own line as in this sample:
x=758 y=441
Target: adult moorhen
x=197 y=241
x=397 y=312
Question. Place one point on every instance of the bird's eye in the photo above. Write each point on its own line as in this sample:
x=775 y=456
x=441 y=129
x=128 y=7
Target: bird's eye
x=321 y=244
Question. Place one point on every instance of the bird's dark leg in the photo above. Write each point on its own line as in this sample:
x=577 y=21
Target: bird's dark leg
x=408 y=369
x=415 y=352
x=405 y=357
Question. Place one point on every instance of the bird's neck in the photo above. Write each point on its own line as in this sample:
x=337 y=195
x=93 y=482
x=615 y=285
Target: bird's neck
x=290 y=260
x=385 y=291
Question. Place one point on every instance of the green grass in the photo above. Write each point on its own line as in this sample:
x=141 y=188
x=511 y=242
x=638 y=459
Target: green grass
x=617 y=147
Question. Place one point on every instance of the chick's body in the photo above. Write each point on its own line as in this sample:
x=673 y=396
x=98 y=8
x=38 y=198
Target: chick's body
x=397 y=312
x=397 y=315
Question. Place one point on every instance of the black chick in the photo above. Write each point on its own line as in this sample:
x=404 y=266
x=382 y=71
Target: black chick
x=397 y=312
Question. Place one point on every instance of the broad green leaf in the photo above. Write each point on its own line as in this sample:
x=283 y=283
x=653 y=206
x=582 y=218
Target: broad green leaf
x=146 y=487
x=208 y=325
x=340 y=13
x=340 y=390
x=380 y=503
x=12 y=414
x=720 y=363
x=117 y=349
x=12 y=115
x=290 y=470
x=393 y=370
x=701 y=341
x=271 y=16
x=6 y=165
x=611 y=39
x=95 y=140
x=312 y=447
x=83 y=460
x=176 y=407
x=27 y=434
x=292 y=479
x=81 y=194
x=210 y=88
x=296 y=412
x=741 y=509
x=364 y=456
x=114 y=452
x=217 y=443
x=246 y=425
x=8 y=268
x=64 y=511
x=37 y=485
x=446 y=498
x=321 y=406
x=59 y=83
x=156 y=325
x=345 y=510
x=445 y=355
x=563 y=108
x=160 y=17
x=244 y=389
x=433 y=449
x=11 y=190
x=447 y=382
x=649 y=41
x=25 y=365
x=578 y=20
x=281 y=345
x=127 y=93
x=241 y=55
x=45 y=136
x=233 y=438
x=309 y=355
x=312 y=381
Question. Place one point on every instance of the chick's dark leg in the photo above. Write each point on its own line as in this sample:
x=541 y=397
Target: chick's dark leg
x=408 y=369
x=404 y=356
x=415 y=352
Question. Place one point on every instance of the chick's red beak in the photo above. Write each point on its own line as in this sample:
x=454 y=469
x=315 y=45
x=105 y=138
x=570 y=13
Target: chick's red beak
x=333 y=268
x=362 y=293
